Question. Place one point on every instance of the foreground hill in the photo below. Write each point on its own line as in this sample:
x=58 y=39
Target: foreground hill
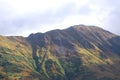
x=76 y=53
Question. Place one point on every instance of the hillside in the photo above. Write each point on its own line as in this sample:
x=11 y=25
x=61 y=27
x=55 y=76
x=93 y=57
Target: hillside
x=76 y=53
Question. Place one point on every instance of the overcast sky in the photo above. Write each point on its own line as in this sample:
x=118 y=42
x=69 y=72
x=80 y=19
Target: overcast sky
x=23 y=17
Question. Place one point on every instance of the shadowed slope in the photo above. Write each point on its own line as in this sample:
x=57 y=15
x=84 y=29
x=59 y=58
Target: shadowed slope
x=94 y=47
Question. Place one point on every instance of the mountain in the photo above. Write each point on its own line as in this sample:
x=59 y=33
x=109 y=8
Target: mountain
x=76 y=53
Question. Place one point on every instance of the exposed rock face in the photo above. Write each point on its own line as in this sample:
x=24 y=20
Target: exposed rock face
x=76 y=53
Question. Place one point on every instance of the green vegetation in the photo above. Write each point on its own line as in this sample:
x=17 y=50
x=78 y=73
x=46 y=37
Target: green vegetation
x=71 y=54
x=74 y=69
x=1 y=76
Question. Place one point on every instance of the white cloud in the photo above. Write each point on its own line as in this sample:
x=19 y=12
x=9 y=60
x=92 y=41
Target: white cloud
x=30 y=16
x=22 y=7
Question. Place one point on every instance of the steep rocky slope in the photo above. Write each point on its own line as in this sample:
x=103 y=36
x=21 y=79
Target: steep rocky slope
x=76 y=53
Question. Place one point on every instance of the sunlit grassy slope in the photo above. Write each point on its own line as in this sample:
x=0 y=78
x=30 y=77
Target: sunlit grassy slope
x=76 y=53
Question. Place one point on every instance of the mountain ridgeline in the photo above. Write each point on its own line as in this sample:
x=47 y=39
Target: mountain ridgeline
x=76 y=53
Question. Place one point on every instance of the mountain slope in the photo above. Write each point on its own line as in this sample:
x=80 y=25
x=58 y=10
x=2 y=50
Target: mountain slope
x=76 y=53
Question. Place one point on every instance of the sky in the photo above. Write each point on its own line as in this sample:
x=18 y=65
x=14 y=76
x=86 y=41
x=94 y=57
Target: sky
x=23 y=17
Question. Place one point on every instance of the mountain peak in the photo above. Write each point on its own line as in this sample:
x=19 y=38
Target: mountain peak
x=83 y=35
x=77 y=53
x=86 y=27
